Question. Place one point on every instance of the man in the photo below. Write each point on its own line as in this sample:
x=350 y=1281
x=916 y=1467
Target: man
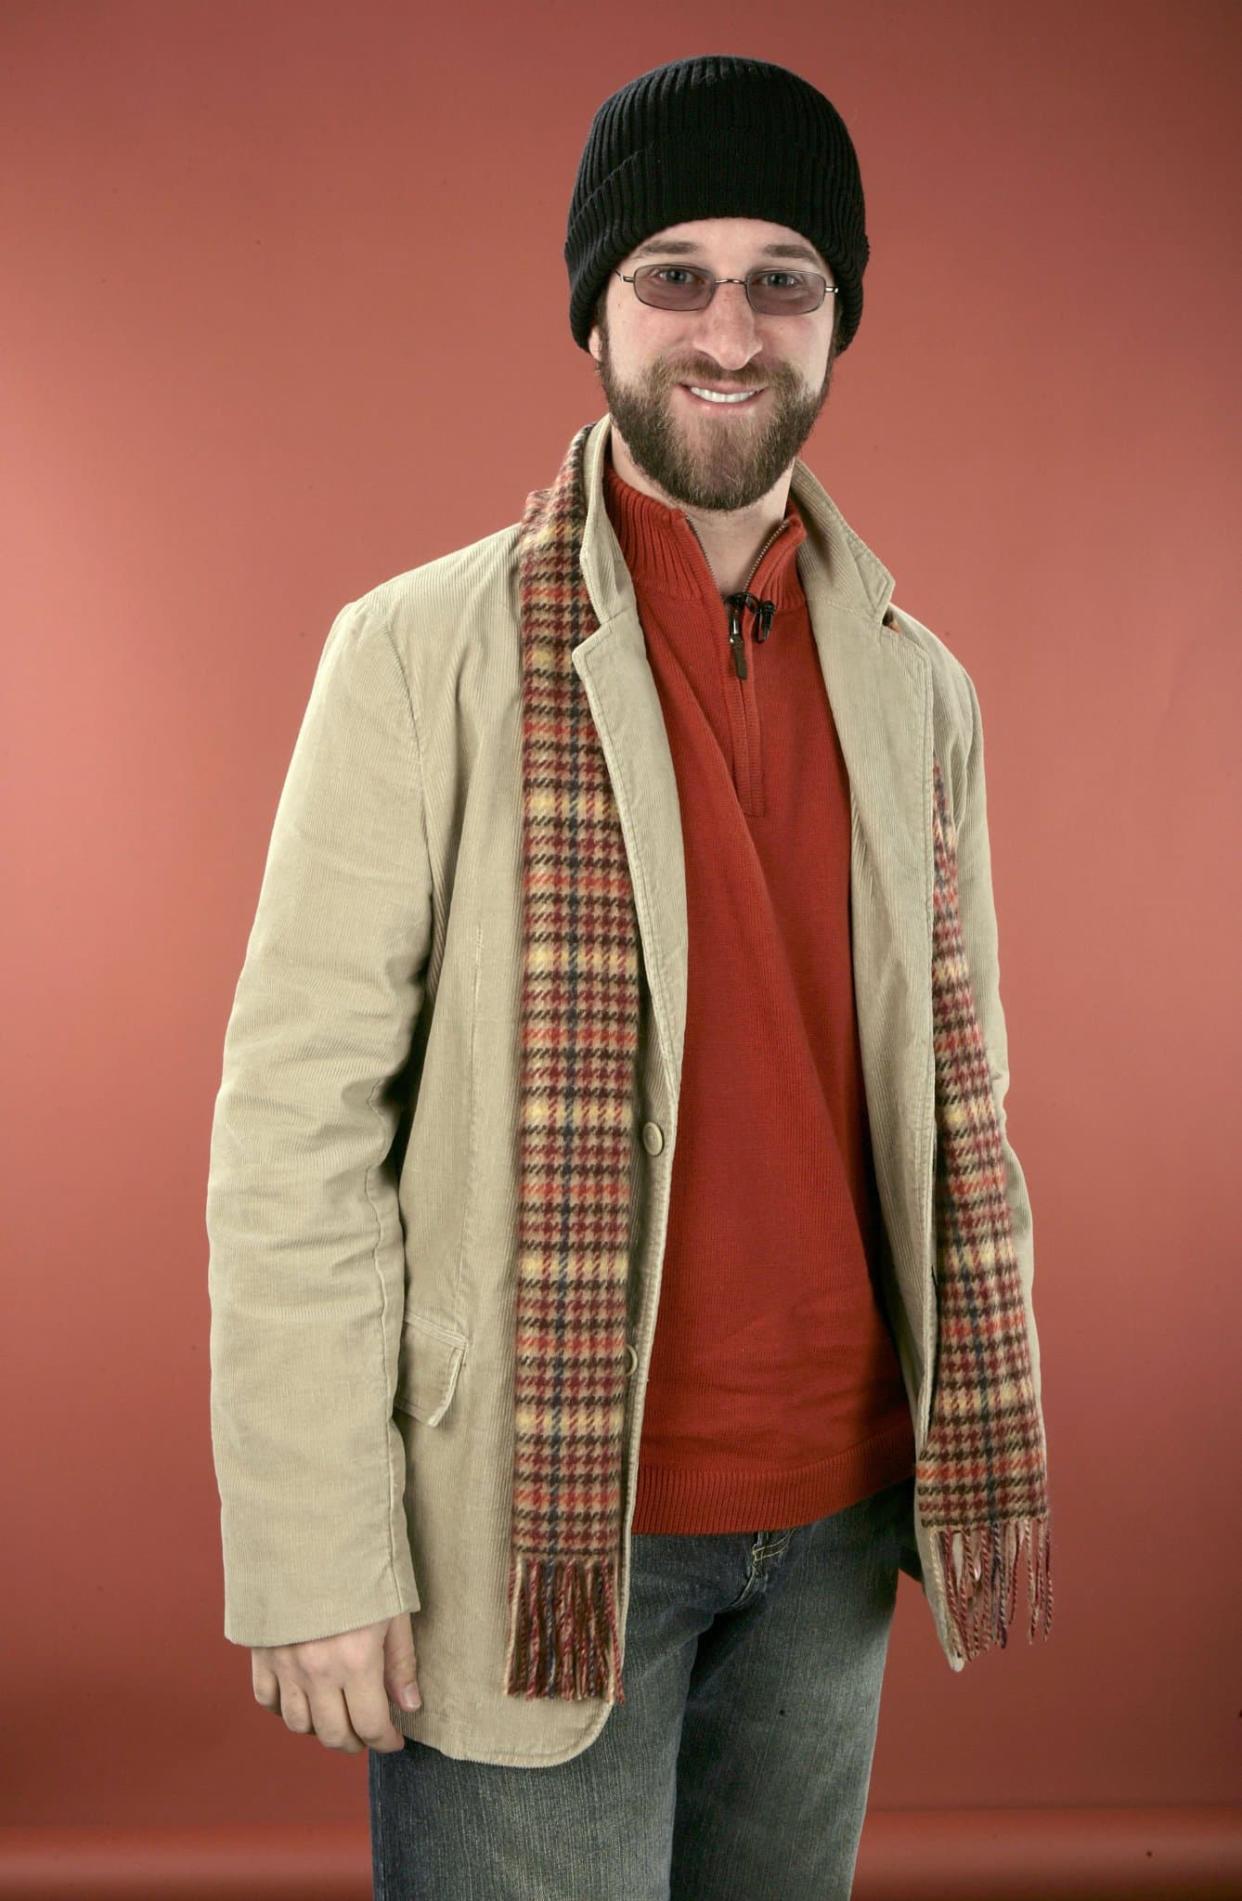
x=619 y=1267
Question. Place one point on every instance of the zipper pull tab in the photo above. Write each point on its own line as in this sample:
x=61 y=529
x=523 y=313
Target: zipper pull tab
x=763 y=619
x=736 y=640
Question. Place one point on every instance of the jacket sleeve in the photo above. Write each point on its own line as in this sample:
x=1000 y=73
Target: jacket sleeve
x=979 y=932
x=306 y=1268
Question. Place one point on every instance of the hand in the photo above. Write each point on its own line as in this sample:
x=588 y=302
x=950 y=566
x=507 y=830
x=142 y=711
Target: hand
x=337 y=1688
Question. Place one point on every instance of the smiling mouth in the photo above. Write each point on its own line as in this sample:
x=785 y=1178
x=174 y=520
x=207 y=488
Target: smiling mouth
x=733 y=399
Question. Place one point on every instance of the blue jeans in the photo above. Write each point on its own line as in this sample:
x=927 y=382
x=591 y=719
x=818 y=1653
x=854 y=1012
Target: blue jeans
x=738 y=1766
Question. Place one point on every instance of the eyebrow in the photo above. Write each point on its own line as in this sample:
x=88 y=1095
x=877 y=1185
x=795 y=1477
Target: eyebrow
x=681 y=247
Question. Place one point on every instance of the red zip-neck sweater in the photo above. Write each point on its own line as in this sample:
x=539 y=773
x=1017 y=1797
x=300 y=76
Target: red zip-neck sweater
x=775 y=1393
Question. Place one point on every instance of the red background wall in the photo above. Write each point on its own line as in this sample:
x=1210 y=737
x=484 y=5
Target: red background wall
x=236 y=398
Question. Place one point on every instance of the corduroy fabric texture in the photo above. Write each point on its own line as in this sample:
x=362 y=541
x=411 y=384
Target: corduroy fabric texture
x=981 y=1483
x=715 y=137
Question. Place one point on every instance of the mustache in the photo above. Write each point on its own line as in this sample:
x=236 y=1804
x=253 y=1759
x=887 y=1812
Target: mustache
x=698 y=373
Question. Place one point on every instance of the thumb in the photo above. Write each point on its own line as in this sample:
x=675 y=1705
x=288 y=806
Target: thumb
x=400 y=1663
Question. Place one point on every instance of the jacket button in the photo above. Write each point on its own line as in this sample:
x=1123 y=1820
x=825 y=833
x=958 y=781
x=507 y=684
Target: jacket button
x=653 y=1137
x=631 y=1353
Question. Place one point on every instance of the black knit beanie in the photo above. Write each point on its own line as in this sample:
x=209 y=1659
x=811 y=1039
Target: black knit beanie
x=715 y=137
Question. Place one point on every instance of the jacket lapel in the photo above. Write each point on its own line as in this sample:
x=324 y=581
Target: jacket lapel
x=879 y=688
x=625 y=704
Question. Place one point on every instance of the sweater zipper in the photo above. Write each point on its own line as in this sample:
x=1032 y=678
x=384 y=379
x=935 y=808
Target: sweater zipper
x=747 y=738
x=744 y=598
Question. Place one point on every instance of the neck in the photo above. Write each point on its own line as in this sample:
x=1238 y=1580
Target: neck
x=731 y=539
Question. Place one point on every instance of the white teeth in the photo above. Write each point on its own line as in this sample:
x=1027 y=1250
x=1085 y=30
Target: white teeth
x=722 y=396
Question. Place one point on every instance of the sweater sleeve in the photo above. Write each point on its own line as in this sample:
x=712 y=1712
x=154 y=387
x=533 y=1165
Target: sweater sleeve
x=980 y=937
x=306 y=1268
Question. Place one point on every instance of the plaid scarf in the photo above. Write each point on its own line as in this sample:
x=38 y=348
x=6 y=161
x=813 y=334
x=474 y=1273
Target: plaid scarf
x=981 y=1480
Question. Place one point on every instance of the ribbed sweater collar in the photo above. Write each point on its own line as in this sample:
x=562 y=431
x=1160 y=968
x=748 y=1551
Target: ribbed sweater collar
x=665 y=556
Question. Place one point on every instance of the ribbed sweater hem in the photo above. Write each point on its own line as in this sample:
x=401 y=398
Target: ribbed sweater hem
x=676 y=1499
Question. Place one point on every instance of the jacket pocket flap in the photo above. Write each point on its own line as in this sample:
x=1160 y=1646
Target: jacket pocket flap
x=427 y=1367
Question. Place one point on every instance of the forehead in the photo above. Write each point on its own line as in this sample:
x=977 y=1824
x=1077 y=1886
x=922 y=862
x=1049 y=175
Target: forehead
x=729 y=239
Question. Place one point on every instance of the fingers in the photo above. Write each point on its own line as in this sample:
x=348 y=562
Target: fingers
x=367 y=1702
x=264 y=1681
x=330 y=1720
x=334 y=1690
x=298 y=1707
x=401 y=1664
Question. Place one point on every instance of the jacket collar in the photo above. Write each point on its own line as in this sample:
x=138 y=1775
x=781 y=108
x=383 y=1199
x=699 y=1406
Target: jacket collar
x=842 y=570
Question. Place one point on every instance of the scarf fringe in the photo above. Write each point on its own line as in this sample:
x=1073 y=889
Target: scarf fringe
x=563 y=1629
x=980 y=1569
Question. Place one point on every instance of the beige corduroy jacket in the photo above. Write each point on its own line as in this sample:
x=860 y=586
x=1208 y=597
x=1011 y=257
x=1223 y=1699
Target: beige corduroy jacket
x=362 y=1192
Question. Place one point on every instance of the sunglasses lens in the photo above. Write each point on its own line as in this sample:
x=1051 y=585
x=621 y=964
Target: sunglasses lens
x=793 y=292
x=672 y=286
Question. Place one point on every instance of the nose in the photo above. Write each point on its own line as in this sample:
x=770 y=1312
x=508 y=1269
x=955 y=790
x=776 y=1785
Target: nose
x=728 y=330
